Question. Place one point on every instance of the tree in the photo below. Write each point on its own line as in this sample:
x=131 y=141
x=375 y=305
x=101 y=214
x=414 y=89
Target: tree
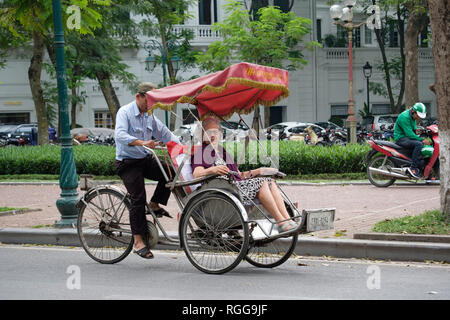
x=439 y=11
x=417 y=21
x=97 y=55
x=387 y=66
x=415 y=15
x=274 y=39
x=167 y=14
x=32 y=19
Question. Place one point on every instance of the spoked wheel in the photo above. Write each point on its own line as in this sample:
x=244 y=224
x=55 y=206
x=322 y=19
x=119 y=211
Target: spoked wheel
x=271 y=253
x=379 y=180
x=104 y=226
x=214 y=234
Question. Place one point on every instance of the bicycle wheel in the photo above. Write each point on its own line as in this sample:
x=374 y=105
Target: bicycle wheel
x=214 y=234
x=104 y=226
x=271 y=253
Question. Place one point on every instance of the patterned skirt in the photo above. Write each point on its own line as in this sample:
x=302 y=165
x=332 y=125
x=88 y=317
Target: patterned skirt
x=249 y=188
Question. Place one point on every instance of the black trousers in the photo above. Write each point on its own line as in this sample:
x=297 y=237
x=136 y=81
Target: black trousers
x=133 y=173
x=414 y=145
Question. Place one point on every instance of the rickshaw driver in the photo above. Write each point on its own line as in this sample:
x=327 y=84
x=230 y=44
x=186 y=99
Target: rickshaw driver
x=135 y=129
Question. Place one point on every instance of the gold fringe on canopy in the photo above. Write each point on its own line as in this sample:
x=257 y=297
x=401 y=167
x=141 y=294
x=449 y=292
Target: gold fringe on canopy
x=232 y=80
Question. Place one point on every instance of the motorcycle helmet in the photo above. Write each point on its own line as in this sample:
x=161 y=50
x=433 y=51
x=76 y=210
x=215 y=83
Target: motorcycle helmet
x=420 y=109
x=427 y=151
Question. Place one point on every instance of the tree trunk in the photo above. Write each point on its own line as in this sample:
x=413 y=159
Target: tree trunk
x=416 y=23
x=170 y=70
x=34 y=77
x=73 y=110
x=439 y=11
x=76 y=73
x=401 y=33
x=104 y=80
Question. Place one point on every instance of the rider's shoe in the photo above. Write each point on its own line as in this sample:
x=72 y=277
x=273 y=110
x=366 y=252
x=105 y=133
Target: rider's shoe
x=414 y=172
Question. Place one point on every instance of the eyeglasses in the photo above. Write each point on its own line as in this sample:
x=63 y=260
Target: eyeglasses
x=213 y=132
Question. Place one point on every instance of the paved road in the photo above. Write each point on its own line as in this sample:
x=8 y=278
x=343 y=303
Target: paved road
x=358 y=207
x=36 y=272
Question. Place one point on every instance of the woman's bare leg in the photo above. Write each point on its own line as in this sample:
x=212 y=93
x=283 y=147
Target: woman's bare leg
x=279 y=200
x=265 y=196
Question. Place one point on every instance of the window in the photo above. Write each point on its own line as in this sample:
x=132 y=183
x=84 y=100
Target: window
x=357 y=38
x=103 y=119
x=367 y=35
x=342 y=37
x=15 y=117
x=384 y=108
x=207 y=12
x=276 y=114
x=393 y=38
x=283 y=4
x=339 y=110
x=258 y=4
x=319 y=29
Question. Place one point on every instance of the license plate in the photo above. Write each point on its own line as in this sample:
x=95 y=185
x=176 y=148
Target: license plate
x=319 y=219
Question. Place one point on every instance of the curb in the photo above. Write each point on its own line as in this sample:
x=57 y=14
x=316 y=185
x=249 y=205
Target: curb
x=17 y=211
x=402 y=237
x=306 y=246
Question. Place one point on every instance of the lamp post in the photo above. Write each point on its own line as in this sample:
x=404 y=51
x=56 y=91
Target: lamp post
x=68 y=180
x=150 y=62
x=344 y=17
x=367 y=70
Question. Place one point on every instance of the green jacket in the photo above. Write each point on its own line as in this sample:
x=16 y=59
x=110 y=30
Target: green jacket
x=405 y=126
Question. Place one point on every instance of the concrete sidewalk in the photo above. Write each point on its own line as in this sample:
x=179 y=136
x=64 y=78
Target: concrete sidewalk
x=358 y=207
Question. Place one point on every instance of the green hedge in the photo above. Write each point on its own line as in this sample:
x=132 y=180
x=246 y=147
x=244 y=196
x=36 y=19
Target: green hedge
x=294 y=158
x=298 y=158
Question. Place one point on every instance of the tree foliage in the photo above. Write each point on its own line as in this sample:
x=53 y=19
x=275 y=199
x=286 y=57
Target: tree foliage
x=276 y=39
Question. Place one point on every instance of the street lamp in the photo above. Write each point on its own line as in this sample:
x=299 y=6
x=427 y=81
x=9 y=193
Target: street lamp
x=68 y=180
x=344 y=17
x=150 y=62
x=367 y=70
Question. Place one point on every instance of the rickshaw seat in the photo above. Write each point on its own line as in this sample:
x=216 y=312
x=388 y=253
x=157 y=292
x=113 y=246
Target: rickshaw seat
x=177 y=153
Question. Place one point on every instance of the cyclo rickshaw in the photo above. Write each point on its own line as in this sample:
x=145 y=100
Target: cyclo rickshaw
x=216 y=230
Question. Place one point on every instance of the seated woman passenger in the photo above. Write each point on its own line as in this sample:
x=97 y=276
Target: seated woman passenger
x=205 y=162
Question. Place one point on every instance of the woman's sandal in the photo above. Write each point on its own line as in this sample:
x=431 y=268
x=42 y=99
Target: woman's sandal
x=287 y=226
x=144 y=253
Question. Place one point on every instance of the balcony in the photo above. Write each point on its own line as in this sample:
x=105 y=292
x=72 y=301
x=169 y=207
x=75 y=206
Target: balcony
x=361 y=55
x=203 y=34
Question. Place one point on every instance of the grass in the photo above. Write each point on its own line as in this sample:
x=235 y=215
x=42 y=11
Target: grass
x=44 y=177
x=4 y=209
x=304 y=177
x=430 y=222
x=29 y=177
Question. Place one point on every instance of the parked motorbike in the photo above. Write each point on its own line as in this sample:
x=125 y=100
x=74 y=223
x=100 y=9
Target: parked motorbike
x=20 y=140
x=362 y=136
x=339 y=137
x=387 y=133
x=393 y=162
x=325 y=138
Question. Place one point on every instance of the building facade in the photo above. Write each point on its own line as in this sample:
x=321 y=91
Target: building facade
x=317 y=92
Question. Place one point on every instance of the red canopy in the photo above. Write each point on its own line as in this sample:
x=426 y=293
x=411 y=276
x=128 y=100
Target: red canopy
x=239 y=88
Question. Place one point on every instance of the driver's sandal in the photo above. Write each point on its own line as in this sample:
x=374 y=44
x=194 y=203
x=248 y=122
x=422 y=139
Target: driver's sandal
x=144 y=253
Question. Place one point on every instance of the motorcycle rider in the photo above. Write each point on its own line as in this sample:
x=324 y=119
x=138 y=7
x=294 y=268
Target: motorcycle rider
x=406 y=137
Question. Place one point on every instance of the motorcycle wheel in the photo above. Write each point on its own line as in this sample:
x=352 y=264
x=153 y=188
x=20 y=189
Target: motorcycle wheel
x=339 y=142
x=379 y=180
